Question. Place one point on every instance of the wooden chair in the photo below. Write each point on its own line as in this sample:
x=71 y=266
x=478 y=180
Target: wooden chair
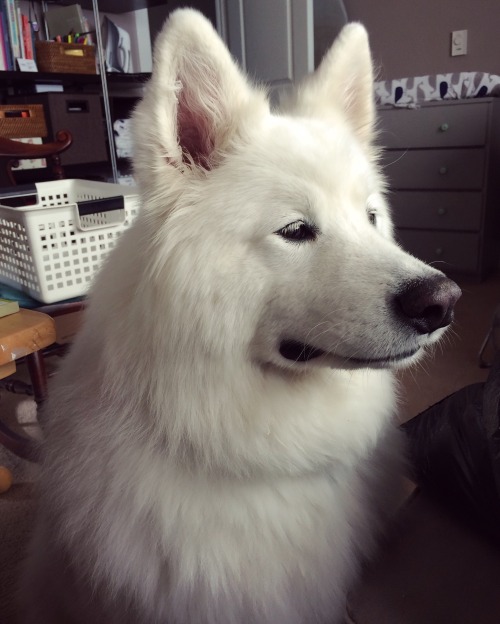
x=13 y=151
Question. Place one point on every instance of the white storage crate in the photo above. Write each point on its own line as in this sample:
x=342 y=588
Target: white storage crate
x=52 y=248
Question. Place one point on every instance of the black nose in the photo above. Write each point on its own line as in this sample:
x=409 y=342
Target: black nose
x=427 y=305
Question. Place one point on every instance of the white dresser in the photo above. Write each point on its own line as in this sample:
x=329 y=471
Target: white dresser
x=442 y=161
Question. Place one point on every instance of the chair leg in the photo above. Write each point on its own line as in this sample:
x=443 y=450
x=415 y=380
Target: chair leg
x=38 y=376
x=482 y=362
x=493 y=337
x=21 y=446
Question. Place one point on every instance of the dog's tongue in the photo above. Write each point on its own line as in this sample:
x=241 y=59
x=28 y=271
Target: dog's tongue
x=298 y=351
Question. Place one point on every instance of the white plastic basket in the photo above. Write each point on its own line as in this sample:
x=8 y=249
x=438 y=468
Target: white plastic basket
x=52 y=248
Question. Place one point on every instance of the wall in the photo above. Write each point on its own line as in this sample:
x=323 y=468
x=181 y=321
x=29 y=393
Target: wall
x=412 y=37
x=159 y=13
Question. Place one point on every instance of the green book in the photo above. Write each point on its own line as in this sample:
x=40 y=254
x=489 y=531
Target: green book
x=8 y=307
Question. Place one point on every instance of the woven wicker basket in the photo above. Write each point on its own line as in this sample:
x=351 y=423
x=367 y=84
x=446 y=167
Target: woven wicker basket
x=23 y=127
x=65 y=58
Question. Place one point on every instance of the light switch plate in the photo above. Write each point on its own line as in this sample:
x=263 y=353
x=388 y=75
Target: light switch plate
x=458 y=42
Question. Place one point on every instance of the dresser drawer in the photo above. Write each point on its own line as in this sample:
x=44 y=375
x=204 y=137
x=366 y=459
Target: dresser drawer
x=437 y=210
x=434 y=126
x=445 y=169
x=447 y=251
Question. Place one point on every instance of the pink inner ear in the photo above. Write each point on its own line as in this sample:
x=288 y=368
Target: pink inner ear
x=194 y=131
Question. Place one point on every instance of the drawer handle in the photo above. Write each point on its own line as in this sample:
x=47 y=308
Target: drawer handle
x=444 y=127
x=438 y=251
x=443 y=170
x=441 y=211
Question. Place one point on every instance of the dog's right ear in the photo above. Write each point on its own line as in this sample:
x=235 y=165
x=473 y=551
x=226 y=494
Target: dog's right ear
x=343 y=83
x=197 y=99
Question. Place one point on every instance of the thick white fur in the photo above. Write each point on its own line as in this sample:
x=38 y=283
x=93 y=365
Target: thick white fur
x=192 y=475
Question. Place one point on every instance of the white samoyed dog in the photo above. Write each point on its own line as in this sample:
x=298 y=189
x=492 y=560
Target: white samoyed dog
x=220 y=447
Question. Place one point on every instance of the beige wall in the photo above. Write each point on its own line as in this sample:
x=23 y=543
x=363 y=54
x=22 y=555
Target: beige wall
x=412 y=37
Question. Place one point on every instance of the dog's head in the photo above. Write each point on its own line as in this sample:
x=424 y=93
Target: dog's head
x=276 y=221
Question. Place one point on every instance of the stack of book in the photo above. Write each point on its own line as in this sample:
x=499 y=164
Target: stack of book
x=19 y=31
x=16 y=35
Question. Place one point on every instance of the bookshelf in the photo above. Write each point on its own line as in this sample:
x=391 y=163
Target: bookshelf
x=117 y=6
x=19 y=79
x=22 y=82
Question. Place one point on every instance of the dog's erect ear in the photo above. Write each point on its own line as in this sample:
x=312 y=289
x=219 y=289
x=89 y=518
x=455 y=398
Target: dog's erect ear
x=197 y=98
x=343 y=80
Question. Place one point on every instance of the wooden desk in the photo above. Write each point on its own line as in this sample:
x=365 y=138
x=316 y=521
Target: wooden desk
x=24 y=334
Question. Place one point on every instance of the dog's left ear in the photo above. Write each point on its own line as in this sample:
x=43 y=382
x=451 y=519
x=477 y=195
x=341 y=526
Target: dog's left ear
x=343 y=80
x=196 y=102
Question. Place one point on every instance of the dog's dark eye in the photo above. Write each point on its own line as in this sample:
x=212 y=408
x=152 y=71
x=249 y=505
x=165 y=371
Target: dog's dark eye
x=372 y=217
x=298 y=232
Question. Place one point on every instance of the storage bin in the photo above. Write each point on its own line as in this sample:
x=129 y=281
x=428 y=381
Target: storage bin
x=52 y=248
x=32 y=125
x=82 y=115
x=65 y=58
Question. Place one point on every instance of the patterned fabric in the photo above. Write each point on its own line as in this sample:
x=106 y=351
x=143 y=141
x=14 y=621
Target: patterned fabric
x=123 y=138
x=412 y=91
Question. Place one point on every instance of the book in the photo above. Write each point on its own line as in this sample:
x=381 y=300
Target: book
x=8 y=307
x=27 y=38
x=6 y=37
x=4 y=63
x=20 y=30
x=13 y=31
x=64 y=20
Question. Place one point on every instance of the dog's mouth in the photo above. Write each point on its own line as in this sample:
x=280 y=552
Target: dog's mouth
x=391 y=359
x=300 y=352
